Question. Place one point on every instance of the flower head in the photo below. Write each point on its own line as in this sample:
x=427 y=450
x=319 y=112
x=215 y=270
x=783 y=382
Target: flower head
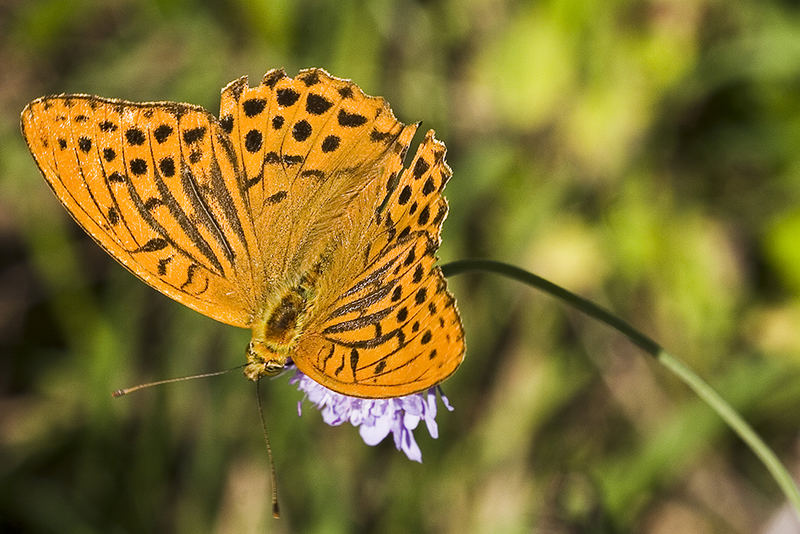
x=376 y=418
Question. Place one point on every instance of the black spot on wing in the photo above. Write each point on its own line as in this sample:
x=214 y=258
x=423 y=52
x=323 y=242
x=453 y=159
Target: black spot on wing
x=287 y=97
x=290 y=160
x=301 y=130
x=397 y=294
x=138 y=166
x=85 y=144
x=316 y=173
x=162 y=133
x=428 y=188
x=330 y=143
x=418 y=272
x=135 y=136
x=410 y=258
x=309 y=78
x=404 y=233
x=317 y=105
x=227 y=123
x=420 y=296
x=424 y=215
x=377 y=136
x=252 y=141
x=405 y=194
x=441 y=212
x=276 y=198
x=194 y=135
x=351 y=120
x=253 y=106
x=402 y=315
x=167 y=166
x=420 y=168
x=271 y=78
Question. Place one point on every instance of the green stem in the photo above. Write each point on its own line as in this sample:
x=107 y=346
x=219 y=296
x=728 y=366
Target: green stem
x=697 y=384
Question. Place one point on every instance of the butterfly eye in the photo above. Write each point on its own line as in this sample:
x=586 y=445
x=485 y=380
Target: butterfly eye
x=273 y=367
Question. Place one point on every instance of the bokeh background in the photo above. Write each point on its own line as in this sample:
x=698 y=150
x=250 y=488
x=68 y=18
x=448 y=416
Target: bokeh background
x=645 y=154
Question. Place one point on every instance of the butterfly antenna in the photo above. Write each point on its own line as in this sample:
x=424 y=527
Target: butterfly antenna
x=276 y=513
x=125 y=391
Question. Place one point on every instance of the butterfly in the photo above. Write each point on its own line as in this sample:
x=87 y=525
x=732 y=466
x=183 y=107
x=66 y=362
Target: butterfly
x=291 y=215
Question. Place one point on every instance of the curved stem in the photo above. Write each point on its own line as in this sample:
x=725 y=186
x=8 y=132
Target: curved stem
x=689 y=377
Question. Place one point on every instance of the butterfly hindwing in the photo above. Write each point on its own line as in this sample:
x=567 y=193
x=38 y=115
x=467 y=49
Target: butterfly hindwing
x=157 y=186
x=393 y=329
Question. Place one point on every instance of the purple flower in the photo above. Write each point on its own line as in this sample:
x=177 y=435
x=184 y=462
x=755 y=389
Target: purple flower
x=376 y=417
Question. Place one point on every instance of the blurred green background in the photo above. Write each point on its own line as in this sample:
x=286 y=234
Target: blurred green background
x=645 y=154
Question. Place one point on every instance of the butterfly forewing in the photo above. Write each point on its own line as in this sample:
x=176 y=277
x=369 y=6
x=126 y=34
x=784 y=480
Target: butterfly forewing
x=157 y=186
x=393 y=328
x=311 y=149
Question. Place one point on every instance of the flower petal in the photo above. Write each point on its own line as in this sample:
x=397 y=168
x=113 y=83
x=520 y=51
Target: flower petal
x=374 y=434
x=376 y=418
x=409 y=446
x=430 y=413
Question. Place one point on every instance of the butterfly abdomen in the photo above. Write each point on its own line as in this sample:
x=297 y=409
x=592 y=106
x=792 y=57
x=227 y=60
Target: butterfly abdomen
x=282 y=323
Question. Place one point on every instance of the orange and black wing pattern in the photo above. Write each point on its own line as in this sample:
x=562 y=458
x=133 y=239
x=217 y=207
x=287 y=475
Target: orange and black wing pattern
x=159 y=187
x=313 y=149
x=393 y=329
x=300 y=181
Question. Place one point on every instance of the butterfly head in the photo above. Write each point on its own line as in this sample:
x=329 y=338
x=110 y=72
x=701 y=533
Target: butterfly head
x=263 y=360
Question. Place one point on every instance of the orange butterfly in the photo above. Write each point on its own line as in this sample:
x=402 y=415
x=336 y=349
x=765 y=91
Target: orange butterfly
x=291 y=215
